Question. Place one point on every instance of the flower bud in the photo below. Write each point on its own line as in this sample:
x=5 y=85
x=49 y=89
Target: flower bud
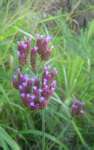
x=77 y=107
x=43 y=47
x=23 y=49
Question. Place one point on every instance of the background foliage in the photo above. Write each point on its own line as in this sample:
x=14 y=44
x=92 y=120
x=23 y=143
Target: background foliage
x=72 y=29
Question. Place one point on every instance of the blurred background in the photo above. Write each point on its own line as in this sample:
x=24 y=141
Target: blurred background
x=71 y=24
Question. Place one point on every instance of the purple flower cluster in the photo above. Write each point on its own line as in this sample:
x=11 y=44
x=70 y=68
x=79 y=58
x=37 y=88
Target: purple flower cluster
x=77 y=108
x=35 y=93
x=42 y=44
x=23 y=49
x=41 y=48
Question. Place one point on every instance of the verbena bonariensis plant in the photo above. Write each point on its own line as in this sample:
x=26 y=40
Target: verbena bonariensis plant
x=35 y=92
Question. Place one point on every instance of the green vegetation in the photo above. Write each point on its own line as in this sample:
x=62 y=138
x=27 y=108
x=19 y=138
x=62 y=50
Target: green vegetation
x=53 y=128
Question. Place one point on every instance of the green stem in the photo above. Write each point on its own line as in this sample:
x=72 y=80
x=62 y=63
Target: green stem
x=43 y=129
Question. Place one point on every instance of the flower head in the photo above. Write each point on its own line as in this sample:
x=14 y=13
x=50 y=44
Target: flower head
x=77 y=107
x=35 y=93
x=23 y=48
x=43 y=46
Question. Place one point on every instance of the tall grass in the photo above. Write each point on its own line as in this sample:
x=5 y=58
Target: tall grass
x=54 y=128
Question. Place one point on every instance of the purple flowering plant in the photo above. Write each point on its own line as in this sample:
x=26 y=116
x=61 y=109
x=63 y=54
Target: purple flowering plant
x=34 y=91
